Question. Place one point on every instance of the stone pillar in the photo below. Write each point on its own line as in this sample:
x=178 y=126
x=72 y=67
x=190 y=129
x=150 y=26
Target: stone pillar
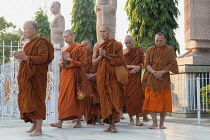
x=56 y=79
x=196 y=62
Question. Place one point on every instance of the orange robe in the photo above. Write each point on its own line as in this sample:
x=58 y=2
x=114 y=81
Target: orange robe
x=108 y=86
x=133 y=89
x=32 y=79
x=68 y=106
x=91 y=106
x=158 y=92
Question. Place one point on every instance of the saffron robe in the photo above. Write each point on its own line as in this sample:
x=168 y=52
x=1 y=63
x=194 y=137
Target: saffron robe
x=108 y=86
x=32 y=79
x=158 y=92
x=91 y=106
x=68 y=106
x=133 y=89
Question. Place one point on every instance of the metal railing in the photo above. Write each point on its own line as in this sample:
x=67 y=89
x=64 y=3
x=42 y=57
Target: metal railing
x=9 y=112
x=191 y=93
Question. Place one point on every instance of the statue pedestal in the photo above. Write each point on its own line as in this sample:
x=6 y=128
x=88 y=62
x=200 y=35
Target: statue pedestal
x=194 y=60
x=184 y=88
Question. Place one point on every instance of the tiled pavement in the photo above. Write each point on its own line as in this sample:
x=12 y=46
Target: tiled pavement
x=177 y=129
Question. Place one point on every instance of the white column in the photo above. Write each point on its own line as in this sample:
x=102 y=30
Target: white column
x=56 y=79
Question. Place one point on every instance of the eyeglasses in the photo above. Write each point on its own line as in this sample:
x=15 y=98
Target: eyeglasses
x=127 y=42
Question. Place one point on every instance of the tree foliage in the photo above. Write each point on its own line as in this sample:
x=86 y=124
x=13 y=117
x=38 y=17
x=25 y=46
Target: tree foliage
x=9 y=35
x=43 y=24
x=148 y=17
x=84 y=20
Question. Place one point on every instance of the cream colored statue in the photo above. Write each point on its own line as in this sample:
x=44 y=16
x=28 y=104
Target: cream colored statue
x=57 y=25
x=106 y=14
x=197 y=29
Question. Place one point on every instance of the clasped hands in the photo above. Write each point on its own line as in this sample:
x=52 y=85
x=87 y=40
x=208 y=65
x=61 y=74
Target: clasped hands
x=91 y=77
x=66 y=56
x=135 y=69
x=20 y=55
x=158 y=74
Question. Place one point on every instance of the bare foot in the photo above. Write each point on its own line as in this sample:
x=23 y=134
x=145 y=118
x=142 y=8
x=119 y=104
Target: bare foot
x=73 y=121
x=58 y=125
x=108 y=129
x=100 y=122
x=139 y=124
x=30 y=130
x=114 y=130
x=78 y=126
x=153 y=126
x=36 y=133
x=131 y=123
x=33 y=127
x=163 y=127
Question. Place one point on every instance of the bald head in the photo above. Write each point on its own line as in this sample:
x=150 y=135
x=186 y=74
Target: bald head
x=106 y=26
x=30 y=29
x=129 y=41
x=104 y=32
x=32 y=24
x=129 y=37
x=69 y=32
x=86 y=43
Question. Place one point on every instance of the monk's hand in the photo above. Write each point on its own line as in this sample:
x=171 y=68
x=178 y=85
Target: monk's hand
x=22 y=55
x=102 y=52
x=137 y=68
x=92 y=77
x=158 y=75
x=16 y=55
x=60 y=63
x=133 y=71
x=66 y=56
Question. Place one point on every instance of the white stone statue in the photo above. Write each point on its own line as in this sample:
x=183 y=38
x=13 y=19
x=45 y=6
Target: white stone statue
x=57 y=25
x=106 y=14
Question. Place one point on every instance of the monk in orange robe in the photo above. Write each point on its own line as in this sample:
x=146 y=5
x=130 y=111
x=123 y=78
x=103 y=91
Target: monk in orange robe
x=72 y=60
x=92 y=109
x=108 y=87
x=32 y=77
x=134 y=58
x=160 y=59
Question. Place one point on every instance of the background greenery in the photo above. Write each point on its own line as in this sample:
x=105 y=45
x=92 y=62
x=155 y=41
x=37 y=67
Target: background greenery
x=148 y=17
x=84 y=20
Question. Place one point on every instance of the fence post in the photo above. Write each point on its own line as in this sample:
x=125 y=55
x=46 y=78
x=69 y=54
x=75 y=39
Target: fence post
x=56 y=74
x=198 y=100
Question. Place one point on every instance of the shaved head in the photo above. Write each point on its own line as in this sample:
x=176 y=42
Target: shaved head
x=30 y=29
x=129 y=41
x=106 y=26
x=70 y=32
x=161 y=34
x=128 y=36
x=87 y=40
x=32 y=24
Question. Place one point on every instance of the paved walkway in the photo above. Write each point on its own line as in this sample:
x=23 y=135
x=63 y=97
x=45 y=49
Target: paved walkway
x=177 y=129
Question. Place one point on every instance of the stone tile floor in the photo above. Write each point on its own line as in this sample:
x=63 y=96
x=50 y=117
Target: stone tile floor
x=177 y=129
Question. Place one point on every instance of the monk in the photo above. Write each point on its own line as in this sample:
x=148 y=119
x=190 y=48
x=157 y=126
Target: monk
x=134 y=58
x=72 y=60
x=160 y=59
x=92 y=109
x=32 y=77
x=108 y=87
